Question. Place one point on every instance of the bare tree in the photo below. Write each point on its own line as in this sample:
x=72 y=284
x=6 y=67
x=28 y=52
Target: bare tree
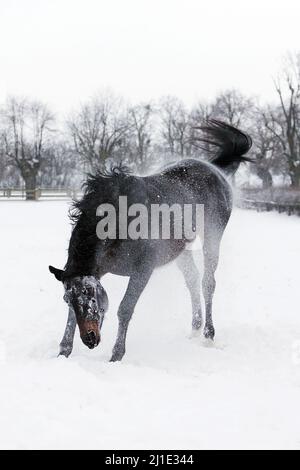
x=285 y=124
x=201 y=112
x=141 y=133
x=175 y=127
x=25 y=133
x=265 y=147
x=233 y=107
x=100 y=130
x=198 y=116
x=60 y=167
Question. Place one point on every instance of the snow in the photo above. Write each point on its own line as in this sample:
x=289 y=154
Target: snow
x=171 y=391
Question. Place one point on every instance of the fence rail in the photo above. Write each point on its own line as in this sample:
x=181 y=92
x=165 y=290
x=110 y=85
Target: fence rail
x=70 y=193
x=38 y=193
x=267 y=206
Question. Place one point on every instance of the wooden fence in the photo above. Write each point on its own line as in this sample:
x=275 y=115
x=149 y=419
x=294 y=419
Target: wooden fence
x=267 y=206
x=39 y=193
x=243 y=201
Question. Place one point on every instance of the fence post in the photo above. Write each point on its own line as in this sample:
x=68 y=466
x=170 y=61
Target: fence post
x=37 y=194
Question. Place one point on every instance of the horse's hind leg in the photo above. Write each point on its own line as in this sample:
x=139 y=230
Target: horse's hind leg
x=211 y=246
x=192 y=279
x=66 y=345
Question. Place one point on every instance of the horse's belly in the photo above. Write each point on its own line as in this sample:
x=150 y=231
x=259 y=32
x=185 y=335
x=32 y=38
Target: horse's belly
x=130 y=258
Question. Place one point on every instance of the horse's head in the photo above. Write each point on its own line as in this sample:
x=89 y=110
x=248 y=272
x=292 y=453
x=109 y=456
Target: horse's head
x=86 y=296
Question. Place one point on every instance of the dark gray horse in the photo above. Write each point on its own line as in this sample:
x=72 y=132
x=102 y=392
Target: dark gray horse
x=89 y=257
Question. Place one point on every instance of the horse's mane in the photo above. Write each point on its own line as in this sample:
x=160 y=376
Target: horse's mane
x=103 y=186
x=97 y=187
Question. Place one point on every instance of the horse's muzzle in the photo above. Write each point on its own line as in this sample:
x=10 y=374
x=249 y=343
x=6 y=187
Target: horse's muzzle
x=91 y=340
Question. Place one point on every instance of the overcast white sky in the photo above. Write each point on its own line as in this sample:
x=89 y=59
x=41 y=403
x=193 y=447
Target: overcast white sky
x=63 y=51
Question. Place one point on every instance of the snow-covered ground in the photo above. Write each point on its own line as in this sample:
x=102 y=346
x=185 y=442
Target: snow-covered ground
x=170 y=391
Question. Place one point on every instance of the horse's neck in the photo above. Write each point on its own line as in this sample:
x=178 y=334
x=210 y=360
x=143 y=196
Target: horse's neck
x=82 y=249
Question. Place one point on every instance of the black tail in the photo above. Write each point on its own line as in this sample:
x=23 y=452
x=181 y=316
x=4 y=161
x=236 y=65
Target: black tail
x=232 y=144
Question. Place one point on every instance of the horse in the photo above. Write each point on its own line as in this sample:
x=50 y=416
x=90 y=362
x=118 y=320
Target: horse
x=193 y=181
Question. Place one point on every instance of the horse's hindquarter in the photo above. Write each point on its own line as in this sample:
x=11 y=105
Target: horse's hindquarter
x=193 y=182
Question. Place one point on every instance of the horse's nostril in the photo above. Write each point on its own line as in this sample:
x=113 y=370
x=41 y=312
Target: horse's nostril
x=90 y=339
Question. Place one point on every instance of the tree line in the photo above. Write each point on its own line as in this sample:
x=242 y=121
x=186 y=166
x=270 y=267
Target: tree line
x=35 y=151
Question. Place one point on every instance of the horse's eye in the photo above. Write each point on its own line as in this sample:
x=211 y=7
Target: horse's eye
x=101 y=310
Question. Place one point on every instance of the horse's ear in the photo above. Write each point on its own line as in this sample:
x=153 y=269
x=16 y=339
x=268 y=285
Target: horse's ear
x=57 y=272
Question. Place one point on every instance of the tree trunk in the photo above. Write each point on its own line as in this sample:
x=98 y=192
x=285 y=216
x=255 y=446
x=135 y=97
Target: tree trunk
x=265 y=176
x=30 y=187
x=295 y=179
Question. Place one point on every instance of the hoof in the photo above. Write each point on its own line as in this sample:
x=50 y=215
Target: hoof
x=117 y=356
x=196 y=322
x=209 y=332
x=64 y=351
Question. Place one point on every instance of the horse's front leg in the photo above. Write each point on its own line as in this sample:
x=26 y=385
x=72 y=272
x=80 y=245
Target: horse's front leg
x=136 y=285
x=66 y=345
